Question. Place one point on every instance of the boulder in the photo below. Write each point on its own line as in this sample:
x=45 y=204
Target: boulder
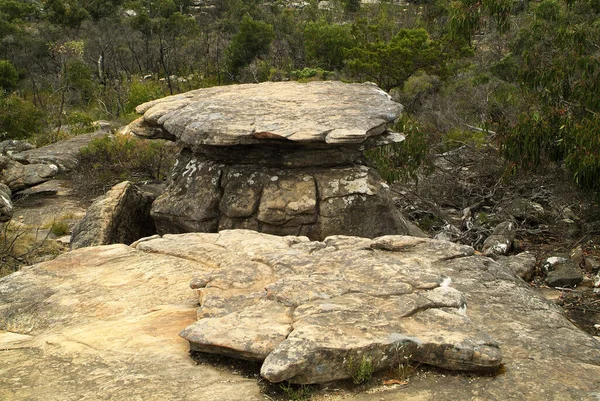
x=315 y=112
x=107 y=318
x=6 y=206
x=63 y=154
x=11 y=146
x=19 y=176
x=282 y=158
x=501 y=240
x=562 y=272
x=122 y=215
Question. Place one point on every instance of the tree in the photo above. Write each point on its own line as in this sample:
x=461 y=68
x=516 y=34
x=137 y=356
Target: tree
x=390 y=64
x=252 y=40
x=325 y=44
x=9 y=76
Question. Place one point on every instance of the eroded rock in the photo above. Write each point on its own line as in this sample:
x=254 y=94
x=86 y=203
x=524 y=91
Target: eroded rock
x=63 y=154
x=281 y=158
x=6 y=206
x=19 y=176
x=107 y=318
x=307 y=309
x=122 y=215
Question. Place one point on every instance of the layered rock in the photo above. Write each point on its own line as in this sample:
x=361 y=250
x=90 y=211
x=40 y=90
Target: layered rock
x=122 y=215
x=6 y=206
x=62 y=155
x=107 y=318
x=282 y=158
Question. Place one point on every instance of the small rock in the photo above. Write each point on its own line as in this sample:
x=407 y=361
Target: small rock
x=597 y=281
x=501 y=240
x=526 y=210
x=562 y=272
x=14 y=145
x=577 y=255
x=591 y=264
x=567 y=227
x=65 y=239
x=522 y=265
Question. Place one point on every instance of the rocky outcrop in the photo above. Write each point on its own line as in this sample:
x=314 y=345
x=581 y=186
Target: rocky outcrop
x=317 y=112
x=282 y=158
x=19 y=176
x=206 y=196
x=6 y=206
x=122 y=215
x=11 y=146
x=107 y=318
x=63 y=154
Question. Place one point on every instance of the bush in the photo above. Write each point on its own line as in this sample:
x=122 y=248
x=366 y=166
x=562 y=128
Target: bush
x=112 y=159
x=19 y=118
x=9 y=76
x=401 y=161
x=141 y=92
x=60 y=228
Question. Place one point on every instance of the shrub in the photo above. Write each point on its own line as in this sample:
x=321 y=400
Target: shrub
x=109 y=160
x=19 y=118
x=9 y=76
x=400 y=161
x=60 y=228
x=141 y=92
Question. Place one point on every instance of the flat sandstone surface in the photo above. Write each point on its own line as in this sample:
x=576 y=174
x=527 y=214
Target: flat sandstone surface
x=323 y=112
x=103 y=322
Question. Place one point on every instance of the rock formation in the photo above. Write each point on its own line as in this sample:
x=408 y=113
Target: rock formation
x=282 y=158
x=122 y=215
x=6 y=206
x=105 y=319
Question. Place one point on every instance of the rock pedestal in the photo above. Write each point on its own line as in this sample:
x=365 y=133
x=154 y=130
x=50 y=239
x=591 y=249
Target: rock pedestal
x=282 y=158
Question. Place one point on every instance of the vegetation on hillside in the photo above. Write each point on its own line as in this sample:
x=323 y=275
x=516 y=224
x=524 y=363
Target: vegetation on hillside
x=526 y=74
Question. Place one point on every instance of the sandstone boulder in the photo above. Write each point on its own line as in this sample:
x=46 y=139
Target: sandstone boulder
x=122 y=215
x=19 y=176
x=6 y=206
x=321 y=112
x=62 y=154
x=282 y=158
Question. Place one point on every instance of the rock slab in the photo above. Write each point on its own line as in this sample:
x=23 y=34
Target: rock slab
x=107 y=318
x=317 y=112
x=122 y=215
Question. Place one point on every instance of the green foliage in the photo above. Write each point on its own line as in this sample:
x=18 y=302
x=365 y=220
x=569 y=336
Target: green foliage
x=111 y=159
x=60 y=228
x=19 y=118
x=141 y=92
x=251 y=41
x=401 y=161
x=326 y=44
x=68 y=13
x=559 y=72
x=309 y=74
x=548 y=10
x=295 y=392
x=390 y=64
x=361 y=370
x=9 y=76
x=457 y=137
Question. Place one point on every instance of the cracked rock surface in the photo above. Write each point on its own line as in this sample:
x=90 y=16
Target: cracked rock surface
x=104 y=321
x=327 y=112
x=311 y=308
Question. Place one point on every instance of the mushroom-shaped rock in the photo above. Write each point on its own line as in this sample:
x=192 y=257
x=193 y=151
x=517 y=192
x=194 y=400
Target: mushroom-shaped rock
x=283 y=158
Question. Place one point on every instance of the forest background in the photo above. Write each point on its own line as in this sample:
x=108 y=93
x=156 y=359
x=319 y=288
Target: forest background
x=521 y=75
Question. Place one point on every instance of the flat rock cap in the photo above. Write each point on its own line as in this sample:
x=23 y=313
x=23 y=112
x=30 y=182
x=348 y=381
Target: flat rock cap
x=315 y=112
